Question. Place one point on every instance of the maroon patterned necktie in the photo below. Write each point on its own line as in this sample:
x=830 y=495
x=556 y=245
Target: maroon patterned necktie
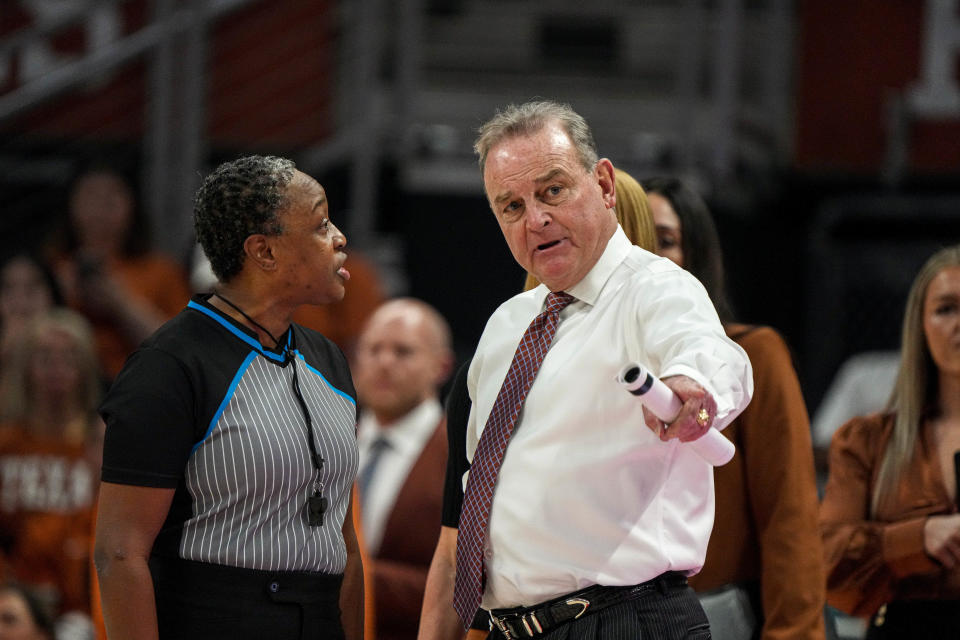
x=478 y=496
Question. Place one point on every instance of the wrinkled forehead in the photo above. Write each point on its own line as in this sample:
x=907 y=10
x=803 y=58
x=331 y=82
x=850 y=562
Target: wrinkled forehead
x=395 y=320
x=550 y=138
x=405 y=322
x=529 y=157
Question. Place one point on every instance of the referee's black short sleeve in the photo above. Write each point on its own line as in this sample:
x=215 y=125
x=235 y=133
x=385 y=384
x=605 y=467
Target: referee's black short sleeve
x=149 y=414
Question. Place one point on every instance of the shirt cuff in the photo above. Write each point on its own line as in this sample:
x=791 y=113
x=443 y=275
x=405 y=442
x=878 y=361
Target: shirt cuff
x=724 y=406
x=903 y=549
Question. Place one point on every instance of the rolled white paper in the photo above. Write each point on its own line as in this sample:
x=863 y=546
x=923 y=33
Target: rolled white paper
x=660 y=399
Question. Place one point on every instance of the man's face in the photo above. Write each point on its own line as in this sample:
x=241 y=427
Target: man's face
x=556 y=216
x=309 y=252
x=400 y=361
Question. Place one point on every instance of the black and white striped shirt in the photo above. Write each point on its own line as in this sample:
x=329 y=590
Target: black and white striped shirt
x=203 y=408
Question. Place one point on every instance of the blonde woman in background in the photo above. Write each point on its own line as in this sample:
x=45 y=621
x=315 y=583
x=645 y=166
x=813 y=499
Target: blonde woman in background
x=889 y=514
x=27 y=289
x=49 y=445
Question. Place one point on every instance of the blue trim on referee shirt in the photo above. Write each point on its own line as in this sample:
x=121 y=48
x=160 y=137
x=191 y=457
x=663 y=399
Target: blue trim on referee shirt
x=327 y=382
x=240 y=334
x=226 y=399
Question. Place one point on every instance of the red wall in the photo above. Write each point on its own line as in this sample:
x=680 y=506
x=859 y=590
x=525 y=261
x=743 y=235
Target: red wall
x=270 y=78
x=851 y=55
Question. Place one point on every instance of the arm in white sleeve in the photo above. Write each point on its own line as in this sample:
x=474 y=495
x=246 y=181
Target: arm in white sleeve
x=680 y=334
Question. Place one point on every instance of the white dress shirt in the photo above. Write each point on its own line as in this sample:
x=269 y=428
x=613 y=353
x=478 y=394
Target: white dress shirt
x=406 y=437
x=587 y=494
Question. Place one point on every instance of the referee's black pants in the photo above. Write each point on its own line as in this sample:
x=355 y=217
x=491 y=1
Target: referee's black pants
x=199 y=600
x=664 y=613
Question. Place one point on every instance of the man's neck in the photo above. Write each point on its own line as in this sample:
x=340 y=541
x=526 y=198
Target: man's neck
x=388 y=419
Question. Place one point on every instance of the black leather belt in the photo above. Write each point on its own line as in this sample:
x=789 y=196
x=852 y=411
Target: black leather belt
x=530 y=622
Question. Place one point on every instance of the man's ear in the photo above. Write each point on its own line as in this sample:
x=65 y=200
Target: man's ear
x=259 y=251
x=444 y=368
x=606 y=177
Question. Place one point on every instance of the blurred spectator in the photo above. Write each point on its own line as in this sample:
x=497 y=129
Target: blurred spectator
x=50 y=389
x=403 y=356
x=27 y=289
x=22 y=615
x=764 y=562
x=633 y=211
x=889 y=516
x=107 y=270
x=861 y=386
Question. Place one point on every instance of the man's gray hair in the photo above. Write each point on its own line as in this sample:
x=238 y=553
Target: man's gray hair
x=529 y=118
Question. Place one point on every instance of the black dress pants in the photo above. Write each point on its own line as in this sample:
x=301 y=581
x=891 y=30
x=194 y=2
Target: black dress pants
x=215 y=602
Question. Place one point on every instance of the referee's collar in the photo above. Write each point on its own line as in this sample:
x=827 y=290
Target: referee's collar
x=201 y=303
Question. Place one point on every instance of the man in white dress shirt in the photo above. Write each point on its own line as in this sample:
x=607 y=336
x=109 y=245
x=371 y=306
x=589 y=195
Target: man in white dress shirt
x=595 y=520
x=403 y=356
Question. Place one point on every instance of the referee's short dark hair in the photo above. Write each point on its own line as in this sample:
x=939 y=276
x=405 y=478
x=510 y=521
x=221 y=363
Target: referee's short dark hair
x=238 y=199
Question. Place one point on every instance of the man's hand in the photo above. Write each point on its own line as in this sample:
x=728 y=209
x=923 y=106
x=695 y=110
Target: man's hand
x=941 y=539
x=686 y=426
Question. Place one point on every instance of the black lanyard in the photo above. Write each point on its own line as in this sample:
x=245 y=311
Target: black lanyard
x=316 y=504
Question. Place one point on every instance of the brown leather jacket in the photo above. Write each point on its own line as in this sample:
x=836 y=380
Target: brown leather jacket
x=873 y=559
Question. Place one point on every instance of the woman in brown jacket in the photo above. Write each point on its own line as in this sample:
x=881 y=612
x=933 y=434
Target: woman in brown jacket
x=889 y=517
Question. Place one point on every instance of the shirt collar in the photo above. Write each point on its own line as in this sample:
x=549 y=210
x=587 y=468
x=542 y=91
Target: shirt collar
x=589 y=288
x=201 y=302
x=407 y=432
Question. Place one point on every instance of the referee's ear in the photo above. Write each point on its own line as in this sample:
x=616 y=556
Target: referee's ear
x=260 y=252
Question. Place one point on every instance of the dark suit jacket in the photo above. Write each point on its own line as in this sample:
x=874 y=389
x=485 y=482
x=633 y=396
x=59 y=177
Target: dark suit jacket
x=409 y=539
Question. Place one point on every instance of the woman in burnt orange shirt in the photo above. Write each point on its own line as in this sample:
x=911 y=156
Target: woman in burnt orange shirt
x=889 y=517
x=107 y=270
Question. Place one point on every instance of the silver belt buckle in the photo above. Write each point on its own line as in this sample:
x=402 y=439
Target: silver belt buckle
x=536 y=623
x=504 y=629
x=531 y=625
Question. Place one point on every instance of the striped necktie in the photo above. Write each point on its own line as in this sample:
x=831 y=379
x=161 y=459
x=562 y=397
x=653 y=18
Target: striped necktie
x=482 y=480
x=377 y=448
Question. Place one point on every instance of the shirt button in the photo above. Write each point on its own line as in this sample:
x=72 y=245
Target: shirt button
x=274 y=587
x=488 y=553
